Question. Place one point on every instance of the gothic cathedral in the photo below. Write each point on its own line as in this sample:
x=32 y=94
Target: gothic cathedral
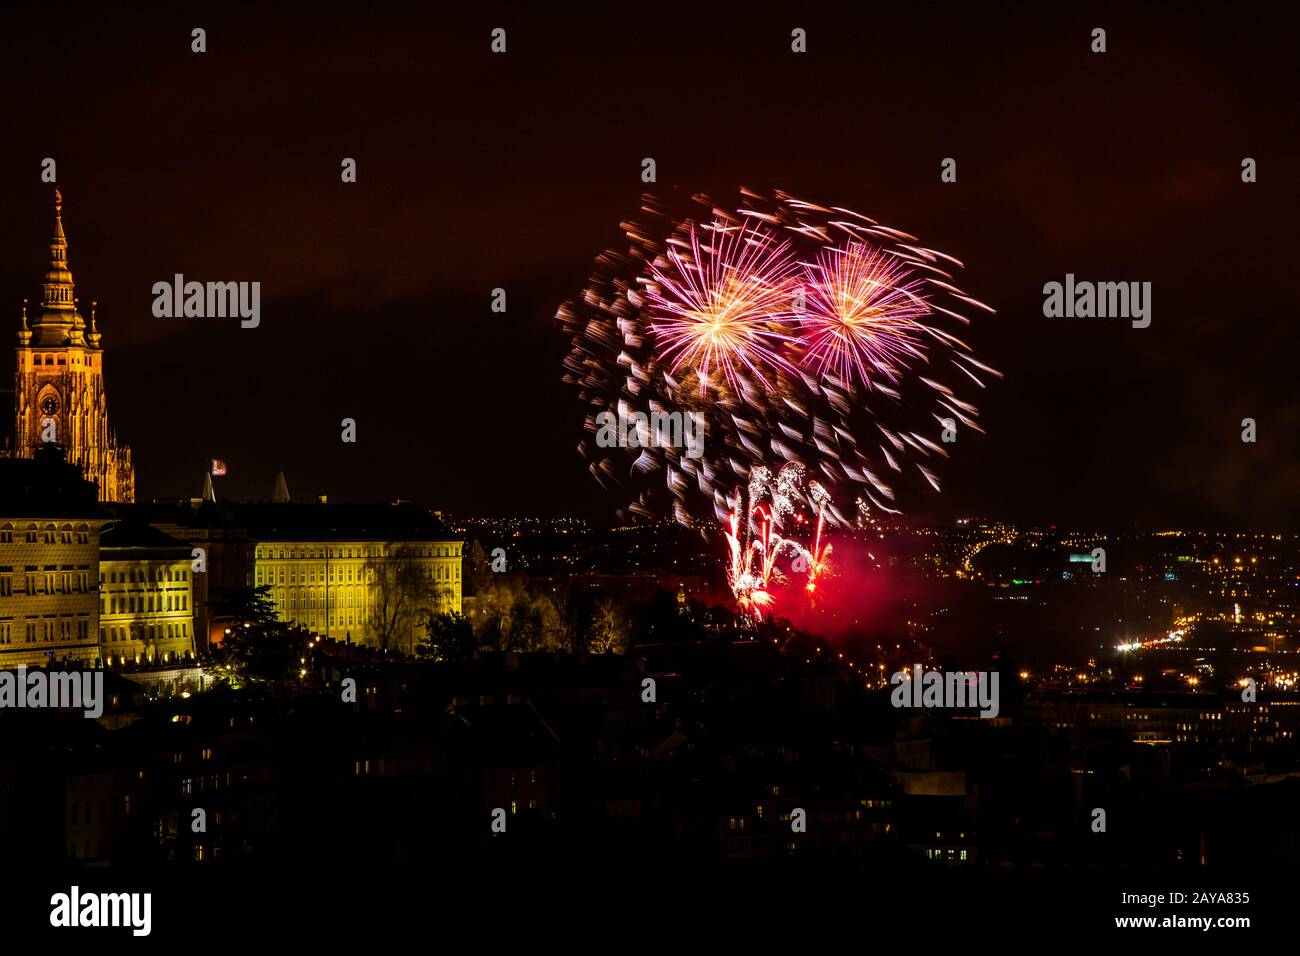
x=59 y=388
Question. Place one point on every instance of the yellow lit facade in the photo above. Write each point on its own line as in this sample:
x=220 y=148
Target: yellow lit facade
x=48 y=580
x=329 y=587
x=146 y=607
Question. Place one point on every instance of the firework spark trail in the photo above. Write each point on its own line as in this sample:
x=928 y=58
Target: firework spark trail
x=862 y=314
x=724 y=304
x=798 y=333
x=768 y=508
x=818 y=555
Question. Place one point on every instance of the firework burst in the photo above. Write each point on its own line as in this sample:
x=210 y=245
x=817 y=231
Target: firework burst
x=721 y=301
x=796 y=333
x=862 y=316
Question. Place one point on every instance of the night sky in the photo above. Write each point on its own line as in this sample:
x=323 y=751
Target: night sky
x=478 y=170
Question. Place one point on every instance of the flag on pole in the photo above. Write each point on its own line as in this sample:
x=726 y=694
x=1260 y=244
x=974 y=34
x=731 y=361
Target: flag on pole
x=218 y=468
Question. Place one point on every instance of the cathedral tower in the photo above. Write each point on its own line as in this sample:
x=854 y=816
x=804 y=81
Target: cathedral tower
x=59 y=388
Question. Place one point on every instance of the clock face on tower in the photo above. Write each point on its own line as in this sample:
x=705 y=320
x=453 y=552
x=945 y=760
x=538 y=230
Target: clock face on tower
x=50 y=406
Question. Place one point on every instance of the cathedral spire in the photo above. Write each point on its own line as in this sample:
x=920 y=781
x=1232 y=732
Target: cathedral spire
x=58 y=280
x=60 y=378
x=281 y=493
x=93 y=335
x=24 y=333
x=58 y=323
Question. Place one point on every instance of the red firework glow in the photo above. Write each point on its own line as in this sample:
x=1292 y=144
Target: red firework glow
x=753 y=548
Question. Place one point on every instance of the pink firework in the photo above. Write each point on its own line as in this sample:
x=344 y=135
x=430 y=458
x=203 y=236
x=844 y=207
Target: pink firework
x=724 y=304
x=798 y=332
x=862 y=314
x=755 y=540
x=750 y=561
x=818 y=557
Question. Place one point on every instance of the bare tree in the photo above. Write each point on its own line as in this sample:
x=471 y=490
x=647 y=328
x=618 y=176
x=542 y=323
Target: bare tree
x=608 y=631
x=400 y=592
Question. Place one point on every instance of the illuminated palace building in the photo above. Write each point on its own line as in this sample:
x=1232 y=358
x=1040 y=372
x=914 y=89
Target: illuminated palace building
x=146 y=612
x=351 y=571
x=49 y=563
x=59 y=383
x=364 y=573
x=76 y=586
